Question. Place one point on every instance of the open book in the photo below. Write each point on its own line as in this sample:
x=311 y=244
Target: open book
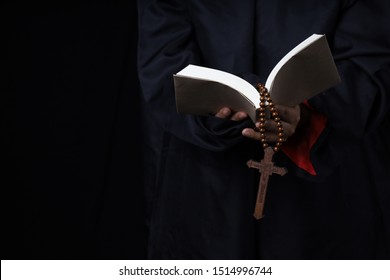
x=305 y=71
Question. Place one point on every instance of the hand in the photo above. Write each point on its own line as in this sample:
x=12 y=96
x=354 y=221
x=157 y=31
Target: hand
x=290 y=118
x=227 y=113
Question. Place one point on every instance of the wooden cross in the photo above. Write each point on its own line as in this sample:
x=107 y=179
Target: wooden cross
x=266 y=167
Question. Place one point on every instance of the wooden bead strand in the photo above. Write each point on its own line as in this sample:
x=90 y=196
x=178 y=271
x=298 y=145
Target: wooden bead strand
x=266 y=103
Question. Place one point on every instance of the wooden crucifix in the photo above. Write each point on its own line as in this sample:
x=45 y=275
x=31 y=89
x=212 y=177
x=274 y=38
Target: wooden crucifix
x=266 y=167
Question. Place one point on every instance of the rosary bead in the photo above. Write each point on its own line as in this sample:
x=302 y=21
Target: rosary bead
x=266 y=102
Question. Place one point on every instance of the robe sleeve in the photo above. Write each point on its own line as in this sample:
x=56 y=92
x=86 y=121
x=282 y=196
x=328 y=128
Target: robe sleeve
x=166 y=45
x=358 y=106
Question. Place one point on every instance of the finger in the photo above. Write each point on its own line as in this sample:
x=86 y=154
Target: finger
x=250 y=133
x=272 y=126
x=289 y=114
x=274 y=133
x=269 y=128
x=287 y=129
x=239 y=116
x=224 y=113
x=269 y=137
x=273 y=138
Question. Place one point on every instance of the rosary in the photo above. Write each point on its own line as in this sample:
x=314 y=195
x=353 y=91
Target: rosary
x=266 y=166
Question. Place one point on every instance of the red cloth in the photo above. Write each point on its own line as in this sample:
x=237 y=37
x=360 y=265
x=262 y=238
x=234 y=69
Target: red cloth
x=298 y=146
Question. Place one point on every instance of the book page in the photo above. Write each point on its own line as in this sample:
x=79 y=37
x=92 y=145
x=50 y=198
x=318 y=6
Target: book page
x=305 y=71
x=206 y=97
x=222 y=77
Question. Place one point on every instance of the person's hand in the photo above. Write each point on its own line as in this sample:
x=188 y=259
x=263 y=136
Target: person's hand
x=227 y=113
x=290 y=118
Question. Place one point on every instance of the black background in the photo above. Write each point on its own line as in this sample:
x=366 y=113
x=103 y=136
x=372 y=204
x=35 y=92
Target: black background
x=69 y=140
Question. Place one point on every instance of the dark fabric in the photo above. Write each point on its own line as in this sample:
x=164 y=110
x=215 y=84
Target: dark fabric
x=200 y=192
x=70 y=182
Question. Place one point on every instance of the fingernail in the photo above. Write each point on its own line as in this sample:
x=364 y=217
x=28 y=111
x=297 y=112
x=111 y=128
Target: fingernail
x=243 y=115
x=226 y=111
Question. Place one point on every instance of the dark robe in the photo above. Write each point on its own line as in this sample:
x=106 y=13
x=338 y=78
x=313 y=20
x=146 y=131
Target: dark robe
x=201 y=194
